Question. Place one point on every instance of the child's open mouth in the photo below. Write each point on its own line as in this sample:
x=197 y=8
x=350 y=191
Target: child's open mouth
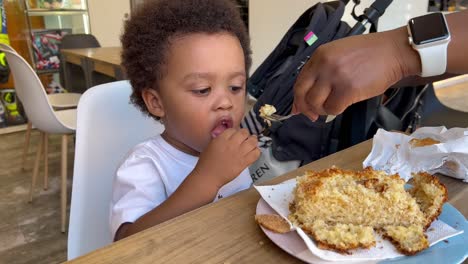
x=220 y=126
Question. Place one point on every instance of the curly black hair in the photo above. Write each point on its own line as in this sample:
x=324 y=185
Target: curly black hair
x=147 y=35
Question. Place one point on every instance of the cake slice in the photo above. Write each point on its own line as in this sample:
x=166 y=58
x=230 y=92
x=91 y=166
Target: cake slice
x=430 y=194
x=341 y=237
x=409 y=240
x=367 y=198
x=341 y=209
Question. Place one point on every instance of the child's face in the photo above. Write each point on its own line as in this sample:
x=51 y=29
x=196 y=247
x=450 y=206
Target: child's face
x=203 y=90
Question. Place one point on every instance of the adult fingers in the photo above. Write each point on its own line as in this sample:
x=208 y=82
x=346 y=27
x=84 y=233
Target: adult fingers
x=317 y=95
x=304 y=82
x=337 y=101
x=311 y=115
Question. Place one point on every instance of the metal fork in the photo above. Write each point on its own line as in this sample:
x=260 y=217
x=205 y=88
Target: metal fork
x=279 y=118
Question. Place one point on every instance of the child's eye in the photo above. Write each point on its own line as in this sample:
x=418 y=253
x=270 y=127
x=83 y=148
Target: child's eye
x=203 y=91
x=236 y=88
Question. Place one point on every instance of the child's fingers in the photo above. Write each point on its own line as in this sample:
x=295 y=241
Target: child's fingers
x=249 y=144
x=252 y=156
x=227 y=134
x=240 y=136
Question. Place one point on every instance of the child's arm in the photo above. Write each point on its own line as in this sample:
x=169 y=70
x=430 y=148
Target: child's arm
x=222 y=161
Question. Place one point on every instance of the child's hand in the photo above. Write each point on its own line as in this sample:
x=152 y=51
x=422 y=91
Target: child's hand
x=227 y=156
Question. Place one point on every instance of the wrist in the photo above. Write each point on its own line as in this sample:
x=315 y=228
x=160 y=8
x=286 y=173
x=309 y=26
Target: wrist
x=409 y=62
x=208 y=178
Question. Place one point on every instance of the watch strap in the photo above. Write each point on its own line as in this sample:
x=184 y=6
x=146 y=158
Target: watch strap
x=433 y=60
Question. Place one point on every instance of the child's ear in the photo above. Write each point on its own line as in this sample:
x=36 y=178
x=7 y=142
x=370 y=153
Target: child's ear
x=153 y=102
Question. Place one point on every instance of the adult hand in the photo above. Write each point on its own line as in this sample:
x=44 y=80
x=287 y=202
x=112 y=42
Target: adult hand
x=227 y=156
x=353 y=69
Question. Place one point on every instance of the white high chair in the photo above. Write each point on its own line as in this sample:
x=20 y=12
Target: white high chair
x=108 y=127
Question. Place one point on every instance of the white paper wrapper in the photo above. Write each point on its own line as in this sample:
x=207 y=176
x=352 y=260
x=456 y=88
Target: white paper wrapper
x=392 y=153
x=279 y=196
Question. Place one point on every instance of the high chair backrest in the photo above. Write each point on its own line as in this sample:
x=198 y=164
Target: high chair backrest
x=31 y=92
x=108 y=126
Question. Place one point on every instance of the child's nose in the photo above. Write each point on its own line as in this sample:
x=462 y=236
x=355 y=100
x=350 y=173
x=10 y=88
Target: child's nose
x=224 y=101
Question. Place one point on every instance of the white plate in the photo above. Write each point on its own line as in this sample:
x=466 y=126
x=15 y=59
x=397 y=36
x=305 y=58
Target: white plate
x=452 y=250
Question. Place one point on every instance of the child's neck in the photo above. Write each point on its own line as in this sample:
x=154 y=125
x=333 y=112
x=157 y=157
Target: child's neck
x=179 y=145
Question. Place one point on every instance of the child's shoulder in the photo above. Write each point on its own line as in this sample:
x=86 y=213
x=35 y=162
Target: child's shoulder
x=147 y=152
x=147 y=147
x=155 y=150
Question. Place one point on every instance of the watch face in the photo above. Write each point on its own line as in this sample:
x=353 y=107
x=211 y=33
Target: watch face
x=428 y=28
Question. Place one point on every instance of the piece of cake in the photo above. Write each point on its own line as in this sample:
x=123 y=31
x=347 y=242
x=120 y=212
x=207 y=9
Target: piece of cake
x=409 y=240
x=273 y=222
x=341 y=209
x=416 y=142
x=266 y=111
x=430 y=195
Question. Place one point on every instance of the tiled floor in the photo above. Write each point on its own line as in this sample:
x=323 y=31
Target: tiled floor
x=30 y=232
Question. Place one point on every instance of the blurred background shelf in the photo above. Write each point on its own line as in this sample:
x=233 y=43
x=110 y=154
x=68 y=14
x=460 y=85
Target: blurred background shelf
x=56 y=12
x=48 y=22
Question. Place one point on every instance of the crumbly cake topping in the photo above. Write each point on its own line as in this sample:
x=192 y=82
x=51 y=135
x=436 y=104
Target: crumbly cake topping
x=341 y=209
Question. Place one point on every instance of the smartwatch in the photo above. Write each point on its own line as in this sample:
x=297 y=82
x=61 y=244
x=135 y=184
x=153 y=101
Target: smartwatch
x=429 y=35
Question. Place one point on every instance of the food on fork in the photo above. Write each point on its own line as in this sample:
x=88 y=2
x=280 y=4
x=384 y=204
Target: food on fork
x=416 y=142
x=341 y=209
x=266 y=111
x=273 y=222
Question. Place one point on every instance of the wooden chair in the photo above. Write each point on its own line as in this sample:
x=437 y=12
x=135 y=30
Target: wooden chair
x=38 y=108
x=73 y=78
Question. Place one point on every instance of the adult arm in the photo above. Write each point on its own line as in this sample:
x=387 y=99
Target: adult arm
x=356 y=68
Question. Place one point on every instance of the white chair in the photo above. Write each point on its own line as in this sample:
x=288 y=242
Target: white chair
x=58 y=101
x=108 y=127
x=30 y=91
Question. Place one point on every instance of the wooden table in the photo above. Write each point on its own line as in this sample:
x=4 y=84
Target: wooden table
x=105 y=60
x=455 y=96
x=225 y=232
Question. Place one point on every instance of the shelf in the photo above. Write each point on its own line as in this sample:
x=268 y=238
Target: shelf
x=48 y=71
x=47 y=26
x=12 y=129
x=56 y=12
